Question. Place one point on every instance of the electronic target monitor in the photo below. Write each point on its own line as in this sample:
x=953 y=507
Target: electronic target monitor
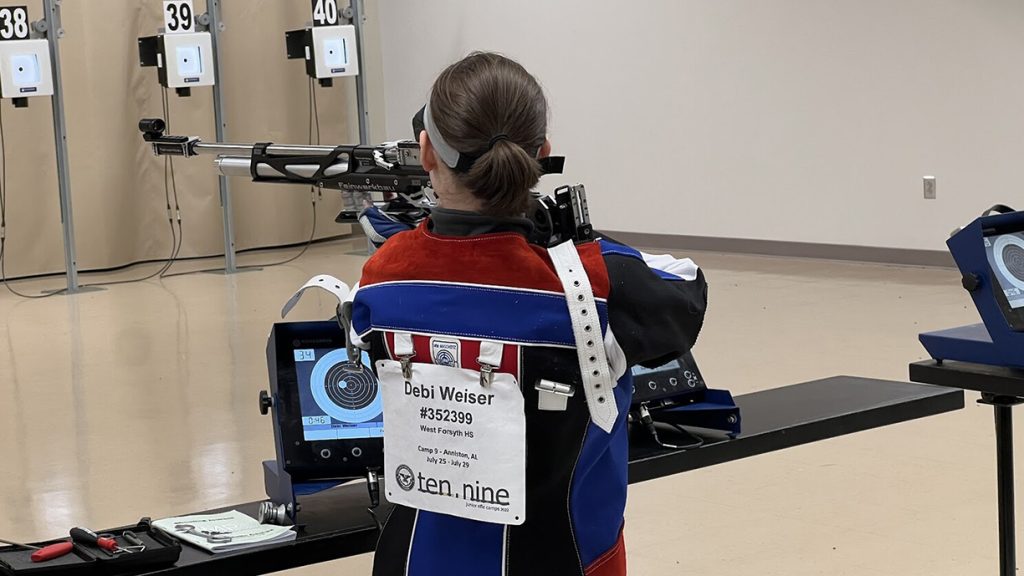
x=1005 y=252
x=339 y=399
x=327 y=407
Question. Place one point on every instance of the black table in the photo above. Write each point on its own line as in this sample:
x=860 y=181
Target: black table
x=1001 y=388
x=335 y=523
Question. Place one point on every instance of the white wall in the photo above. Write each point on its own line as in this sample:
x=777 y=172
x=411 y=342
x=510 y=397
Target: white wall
x=800 y=120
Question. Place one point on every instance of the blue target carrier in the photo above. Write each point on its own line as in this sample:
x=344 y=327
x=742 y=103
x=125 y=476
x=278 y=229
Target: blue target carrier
x=990 y=255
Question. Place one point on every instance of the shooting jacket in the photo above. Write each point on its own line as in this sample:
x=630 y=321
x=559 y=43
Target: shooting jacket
x=464 y=276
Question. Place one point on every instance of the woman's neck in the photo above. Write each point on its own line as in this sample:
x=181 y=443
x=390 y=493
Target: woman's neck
x=463 y=204
x=453 y=196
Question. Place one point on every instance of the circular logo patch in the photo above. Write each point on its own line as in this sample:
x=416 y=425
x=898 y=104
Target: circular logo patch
x=404 y=476
x=445 y=358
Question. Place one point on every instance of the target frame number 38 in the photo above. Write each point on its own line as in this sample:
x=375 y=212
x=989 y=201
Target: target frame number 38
x=325 y=12
x=179 y=16
x=14 y=23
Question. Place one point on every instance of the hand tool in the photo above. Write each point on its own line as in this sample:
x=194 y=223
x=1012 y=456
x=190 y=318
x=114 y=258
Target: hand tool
x=105 y=543
x=42 y=554
x=136 y=543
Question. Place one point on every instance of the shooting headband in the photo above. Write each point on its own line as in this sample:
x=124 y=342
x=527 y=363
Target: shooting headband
x=460 y=161
x=448 y=154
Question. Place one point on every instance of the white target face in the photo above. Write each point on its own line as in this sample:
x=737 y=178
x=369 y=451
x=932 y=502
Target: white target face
x=344 y=390
x=1008 y=253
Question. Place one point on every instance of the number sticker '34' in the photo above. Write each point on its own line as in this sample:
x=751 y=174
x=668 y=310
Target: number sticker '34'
x=179 y=16
x=14 y=23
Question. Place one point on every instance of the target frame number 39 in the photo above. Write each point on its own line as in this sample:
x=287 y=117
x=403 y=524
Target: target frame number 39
x=179 y=16
x=325 y=12
x=14 y=23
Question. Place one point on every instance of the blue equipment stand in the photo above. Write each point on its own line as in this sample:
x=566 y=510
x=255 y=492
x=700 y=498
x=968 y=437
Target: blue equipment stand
x=281 y=489
x=995 y=342
x=716 y=410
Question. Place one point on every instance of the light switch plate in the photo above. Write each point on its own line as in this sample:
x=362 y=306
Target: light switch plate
x=929 y=188
x=25 y=69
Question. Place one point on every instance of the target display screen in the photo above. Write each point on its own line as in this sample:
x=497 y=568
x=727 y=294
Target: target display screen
x=640 y=370
x=1006 y=256
x=339 y=399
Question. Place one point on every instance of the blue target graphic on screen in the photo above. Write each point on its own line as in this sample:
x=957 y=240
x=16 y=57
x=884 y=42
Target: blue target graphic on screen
x=344 y=390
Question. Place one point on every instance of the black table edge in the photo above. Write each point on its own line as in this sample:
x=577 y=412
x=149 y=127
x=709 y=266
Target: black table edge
x=969 y=376
x=333 y=545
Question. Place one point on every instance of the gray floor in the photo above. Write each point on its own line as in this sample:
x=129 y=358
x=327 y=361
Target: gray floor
x=141 y=401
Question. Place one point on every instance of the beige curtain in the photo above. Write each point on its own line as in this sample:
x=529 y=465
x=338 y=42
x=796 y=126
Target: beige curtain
x=116 y=183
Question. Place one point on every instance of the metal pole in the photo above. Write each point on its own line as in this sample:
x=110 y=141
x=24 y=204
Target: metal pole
x=362 y=108
x=213 y=9
x=1004 y=474
x=361 y=98
x=54 y=32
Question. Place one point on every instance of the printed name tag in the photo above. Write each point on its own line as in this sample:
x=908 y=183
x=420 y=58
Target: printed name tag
x=453 y=446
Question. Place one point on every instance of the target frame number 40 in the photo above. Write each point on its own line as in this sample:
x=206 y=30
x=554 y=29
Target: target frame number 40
x=14 y=23
x=325 y=12
x=179 y=16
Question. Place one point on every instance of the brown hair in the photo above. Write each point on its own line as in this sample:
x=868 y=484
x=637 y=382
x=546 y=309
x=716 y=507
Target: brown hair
x=490 y=107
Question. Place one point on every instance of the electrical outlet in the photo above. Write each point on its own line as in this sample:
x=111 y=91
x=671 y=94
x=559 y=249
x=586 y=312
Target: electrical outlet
x=929 y=187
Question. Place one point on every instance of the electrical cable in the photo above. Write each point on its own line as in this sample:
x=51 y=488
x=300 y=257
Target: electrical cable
x=128 y=265
x=170 y=190
x=376 y=520
x=315 y=193
x=373 y=488
x=175 y=244
x=174 y=190
x=648 y=421
x=3 y=222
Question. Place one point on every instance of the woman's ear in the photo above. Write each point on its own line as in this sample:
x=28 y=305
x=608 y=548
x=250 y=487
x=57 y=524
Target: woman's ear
x=428 y=157
x=545 y=149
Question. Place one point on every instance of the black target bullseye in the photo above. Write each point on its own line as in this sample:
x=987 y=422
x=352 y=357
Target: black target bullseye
x=1013 y=257
x=346 y=391
x=349 y=387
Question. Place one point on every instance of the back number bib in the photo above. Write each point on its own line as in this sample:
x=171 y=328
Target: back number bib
x=453 y=445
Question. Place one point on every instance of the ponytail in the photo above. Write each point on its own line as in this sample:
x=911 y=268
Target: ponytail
x=502 y=175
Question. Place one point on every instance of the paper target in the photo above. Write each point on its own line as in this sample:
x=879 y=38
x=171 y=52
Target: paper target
x=1008 y=252
x=344 y=391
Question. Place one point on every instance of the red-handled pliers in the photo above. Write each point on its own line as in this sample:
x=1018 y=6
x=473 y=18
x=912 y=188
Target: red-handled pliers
x=46 y=552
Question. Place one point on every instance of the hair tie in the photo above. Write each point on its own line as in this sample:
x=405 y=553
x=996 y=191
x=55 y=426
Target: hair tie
x=495 y=140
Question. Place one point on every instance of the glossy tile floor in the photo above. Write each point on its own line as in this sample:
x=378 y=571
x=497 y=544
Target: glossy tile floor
x=141 y=401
